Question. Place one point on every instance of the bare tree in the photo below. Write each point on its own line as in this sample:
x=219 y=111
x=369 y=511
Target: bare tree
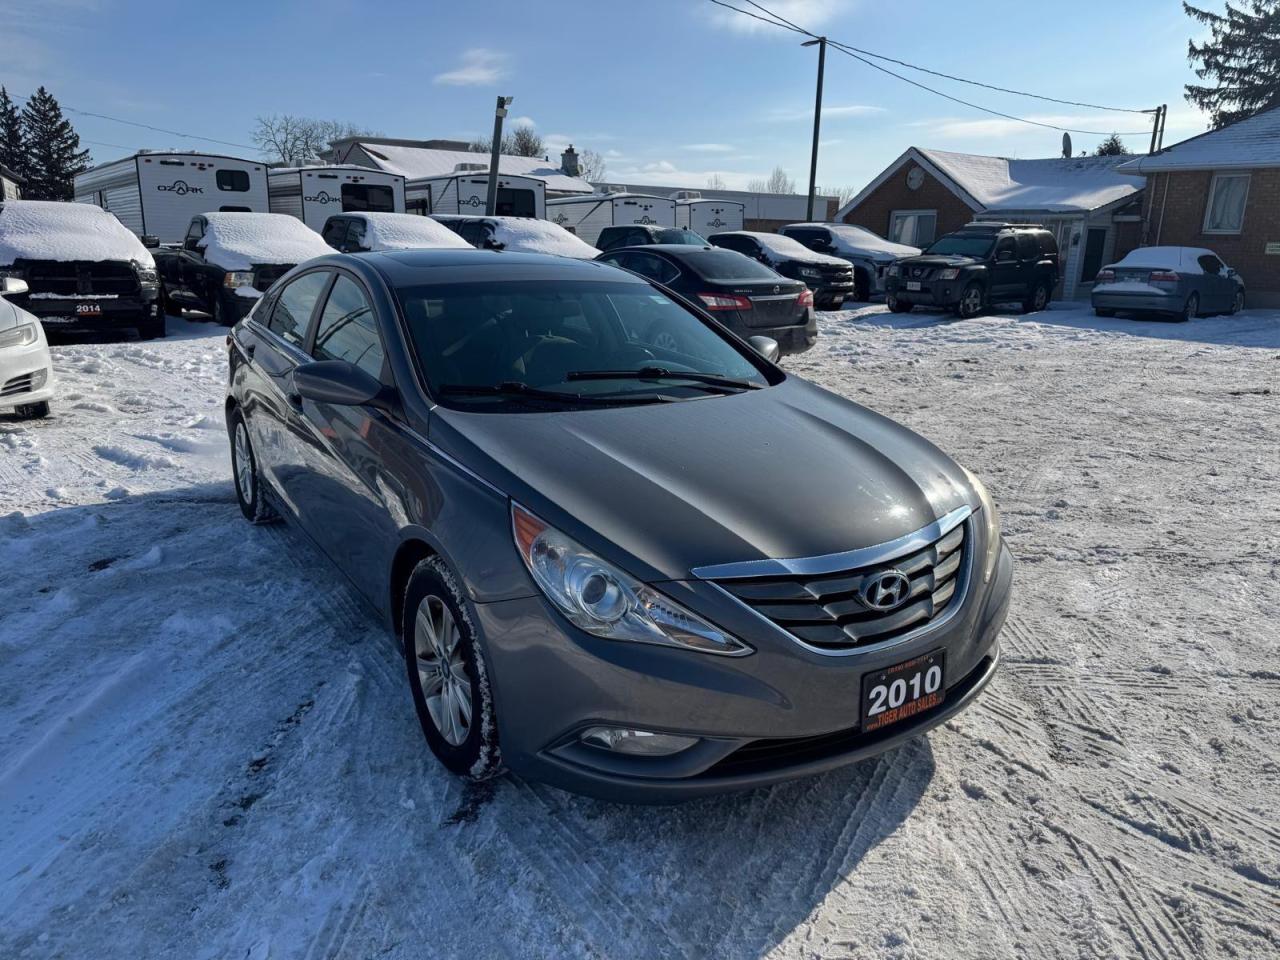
x=292 y=139
x=842 y=194
x=524 y=141
x=777 y=182
x=716 y=182
x=591 y=166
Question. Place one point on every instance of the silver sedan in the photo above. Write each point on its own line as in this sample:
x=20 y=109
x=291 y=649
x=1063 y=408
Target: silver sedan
x=1184 y=282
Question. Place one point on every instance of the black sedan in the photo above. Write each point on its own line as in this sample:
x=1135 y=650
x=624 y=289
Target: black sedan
x=747 y=297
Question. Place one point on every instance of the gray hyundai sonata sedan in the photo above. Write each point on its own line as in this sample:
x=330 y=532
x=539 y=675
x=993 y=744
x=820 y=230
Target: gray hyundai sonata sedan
x=639 y=572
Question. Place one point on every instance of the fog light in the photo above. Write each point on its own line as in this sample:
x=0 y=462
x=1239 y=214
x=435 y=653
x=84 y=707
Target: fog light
x=637 y=743
x=38 y=379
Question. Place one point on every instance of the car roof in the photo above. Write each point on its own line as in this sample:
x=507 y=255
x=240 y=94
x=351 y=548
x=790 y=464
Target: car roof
x=408 y=267
x=671 y=249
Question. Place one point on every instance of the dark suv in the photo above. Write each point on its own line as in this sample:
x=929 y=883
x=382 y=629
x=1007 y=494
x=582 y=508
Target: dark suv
x=640 y=234
x=978 y=265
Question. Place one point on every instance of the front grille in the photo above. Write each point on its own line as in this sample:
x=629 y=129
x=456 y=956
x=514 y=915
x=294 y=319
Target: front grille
x=16 y=385
x=264 y=277
x=918 y=273
x=828 y=611
x=71 y=278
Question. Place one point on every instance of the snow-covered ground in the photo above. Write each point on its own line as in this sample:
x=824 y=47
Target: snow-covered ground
x=207 y=748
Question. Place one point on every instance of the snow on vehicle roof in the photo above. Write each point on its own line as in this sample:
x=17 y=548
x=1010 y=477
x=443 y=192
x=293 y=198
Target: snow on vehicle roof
x=525 y=235
x=1254 y=142
x=785 y=247
x=416 y=163
x=238 y=241
x=406 y=231
x=1057 y=184
x=1182 y=259
x=54 y=230
x=855 y=239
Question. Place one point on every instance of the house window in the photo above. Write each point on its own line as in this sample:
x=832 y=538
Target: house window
x=1225 y=211
x=916 y=228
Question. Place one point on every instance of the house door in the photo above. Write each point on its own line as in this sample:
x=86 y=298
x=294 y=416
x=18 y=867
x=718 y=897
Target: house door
x=1093 y=243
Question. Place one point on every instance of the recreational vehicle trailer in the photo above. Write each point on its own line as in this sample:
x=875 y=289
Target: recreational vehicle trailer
x=709 y=216
x=465 y=193
x=156 y=194
x=312 y=194
x=587 y=216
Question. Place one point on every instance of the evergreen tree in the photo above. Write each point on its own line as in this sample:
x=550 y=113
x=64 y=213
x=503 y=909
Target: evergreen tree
x=1113 y=146
x=54 y=156
x=1241 y=57
x=13 y=150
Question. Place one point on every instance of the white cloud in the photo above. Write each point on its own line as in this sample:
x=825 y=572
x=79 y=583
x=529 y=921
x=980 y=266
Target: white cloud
x=480 y=67
x=522 y=122
x=807 y=14
x=832 y=112
x=709 y=147
x=664 y=173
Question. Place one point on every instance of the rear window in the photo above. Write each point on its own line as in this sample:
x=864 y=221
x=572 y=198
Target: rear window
x=237 y=181
x=727 y=265
x=368 y=196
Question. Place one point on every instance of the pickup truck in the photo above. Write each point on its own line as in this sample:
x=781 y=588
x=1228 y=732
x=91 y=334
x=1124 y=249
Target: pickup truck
x=228 y=260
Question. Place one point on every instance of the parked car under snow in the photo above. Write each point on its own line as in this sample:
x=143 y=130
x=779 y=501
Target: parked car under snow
x=519 y=235
x=26 y=372
x=1182 y=282
x=364 y=232
x=82 y=268
x=869 y=253
x=228 y=260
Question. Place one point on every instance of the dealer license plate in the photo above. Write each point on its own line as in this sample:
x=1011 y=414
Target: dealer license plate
x=913 y=284
x=904 y=690
x=88 y=310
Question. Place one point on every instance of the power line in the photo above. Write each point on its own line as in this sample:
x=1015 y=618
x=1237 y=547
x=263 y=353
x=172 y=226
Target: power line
x=856 y=54
x=145 y=126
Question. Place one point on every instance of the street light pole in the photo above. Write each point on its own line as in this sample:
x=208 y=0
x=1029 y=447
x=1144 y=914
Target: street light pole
x=817 y=121
x=491 y=204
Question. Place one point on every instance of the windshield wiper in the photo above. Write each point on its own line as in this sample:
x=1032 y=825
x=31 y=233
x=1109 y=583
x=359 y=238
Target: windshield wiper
x=518 y=388
x=662 y=373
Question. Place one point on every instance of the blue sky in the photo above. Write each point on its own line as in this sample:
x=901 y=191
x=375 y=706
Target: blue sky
x=669 y=91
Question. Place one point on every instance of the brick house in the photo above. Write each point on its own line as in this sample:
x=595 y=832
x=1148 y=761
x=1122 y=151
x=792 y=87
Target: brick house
x=1092 y=206
x=1221 y=190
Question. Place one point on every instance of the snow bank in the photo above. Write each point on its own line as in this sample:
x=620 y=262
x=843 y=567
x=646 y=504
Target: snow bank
x=49 y=230
x=237 y=241
x=407 y=231
x=784 y=248
x=522 y=235
x=1181 y=259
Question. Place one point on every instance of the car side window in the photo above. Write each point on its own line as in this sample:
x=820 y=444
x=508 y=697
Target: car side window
x=335 y=232
x=1210 y=264
x=355 y=236
x=348 y=330
x=194 y=233
x=1005 y=249
x=294 y=306
x=1028 y=248
x=655 y=268
x=474 y=234
x=636 y=238
x=733 y=243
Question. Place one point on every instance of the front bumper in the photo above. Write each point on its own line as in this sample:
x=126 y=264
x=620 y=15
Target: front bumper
x=19 y=367
x=799 y=710
x=1137 y=302
x=63 y=313
x=932 y=293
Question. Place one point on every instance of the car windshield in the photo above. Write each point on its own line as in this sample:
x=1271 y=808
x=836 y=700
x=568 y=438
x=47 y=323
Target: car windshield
x=727 y=265
x=557 y=342
x=963 y=245
x=680 y=236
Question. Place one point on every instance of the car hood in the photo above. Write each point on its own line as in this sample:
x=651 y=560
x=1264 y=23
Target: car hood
x=789 y=471
x=938 y=261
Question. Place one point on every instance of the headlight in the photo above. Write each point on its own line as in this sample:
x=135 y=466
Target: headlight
x=22 y=336
x=238 y=278
x=990 y=517
x=597 y=597
x=811 y=273
x=891 y=270
x=14 y=272
x=949 y=273
x=147 y=275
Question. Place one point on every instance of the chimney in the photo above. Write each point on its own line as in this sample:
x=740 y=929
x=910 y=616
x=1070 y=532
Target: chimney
x=569 y=162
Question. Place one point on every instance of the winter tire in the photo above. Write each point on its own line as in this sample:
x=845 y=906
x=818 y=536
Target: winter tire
x=152 y=328
x=1037 y=299
x=245 y=475
x=1237 y=303
x=897 y=306
x=447 y=673
x=32 y=411
x=861 y=286
x=1103 y=312
x=972 y=301
x=1191 y=309
x=219 y=312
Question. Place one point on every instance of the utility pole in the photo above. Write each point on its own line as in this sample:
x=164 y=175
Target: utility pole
x=1157 y=128
x=817 y=122
x=1164 y=115
x=491 y=204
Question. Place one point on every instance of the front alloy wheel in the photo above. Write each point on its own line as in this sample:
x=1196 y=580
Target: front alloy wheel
x=970 y=304
x=446 y=688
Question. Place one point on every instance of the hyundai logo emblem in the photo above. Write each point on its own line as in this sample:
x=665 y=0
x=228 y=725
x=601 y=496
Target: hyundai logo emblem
x=886 y=590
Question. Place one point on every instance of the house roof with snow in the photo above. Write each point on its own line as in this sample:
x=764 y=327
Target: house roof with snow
x=1055 y=185
x=1250 y=143
x=415 y=162
x=9 y=174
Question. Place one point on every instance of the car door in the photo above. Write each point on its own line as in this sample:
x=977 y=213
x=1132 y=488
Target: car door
x=345 y=487
x=1006 y=271
x=275 y=424
x=1217 y=289
x=183 y=278
x=1028 y=247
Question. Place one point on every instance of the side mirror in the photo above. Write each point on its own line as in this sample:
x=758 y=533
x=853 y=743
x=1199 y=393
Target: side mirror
x=12 y=287
x=337 y=382
x=190 y=244
x=149 y=241
x=767 y=347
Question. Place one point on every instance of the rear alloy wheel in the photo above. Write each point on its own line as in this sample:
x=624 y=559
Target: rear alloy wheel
x=971 y=302
x=1191 y=309
x=244 y=471
x=1237 y=302
x=32 y=411
x=1038 y=299
x=447 y=675
x=897 y=306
